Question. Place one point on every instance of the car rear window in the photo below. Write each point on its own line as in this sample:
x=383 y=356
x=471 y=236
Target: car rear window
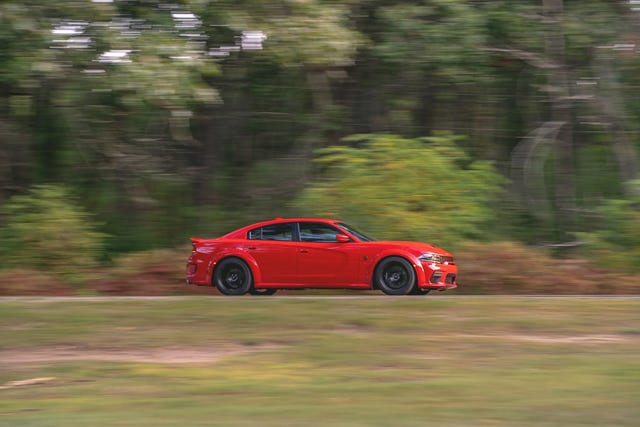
x=281 y=232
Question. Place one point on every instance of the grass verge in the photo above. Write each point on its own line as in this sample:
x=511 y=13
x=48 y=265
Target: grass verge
x=374 y=361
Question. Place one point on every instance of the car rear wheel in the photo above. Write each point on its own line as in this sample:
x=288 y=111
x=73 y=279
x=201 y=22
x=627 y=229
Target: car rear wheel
x=269 y=291
x=395 y=276
x=233 y=277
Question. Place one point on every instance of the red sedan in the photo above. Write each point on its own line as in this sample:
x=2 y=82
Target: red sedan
x=316 y=253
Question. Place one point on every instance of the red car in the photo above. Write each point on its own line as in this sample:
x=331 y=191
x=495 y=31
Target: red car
x=316 y=253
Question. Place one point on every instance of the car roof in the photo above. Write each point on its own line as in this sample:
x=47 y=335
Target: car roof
x=282 y=220
x=240 y=231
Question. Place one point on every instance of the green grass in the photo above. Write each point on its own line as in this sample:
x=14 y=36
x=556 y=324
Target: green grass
x=377 y=361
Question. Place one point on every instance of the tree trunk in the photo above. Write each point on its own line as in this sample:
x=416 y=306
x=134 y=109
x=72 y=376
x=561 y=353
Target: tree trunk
x=610 y=104
x=561 y=111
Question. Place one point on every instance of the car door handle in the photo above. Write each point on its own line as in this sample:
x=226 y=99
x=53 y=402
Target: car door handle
x=304 y=251
x=252 y=248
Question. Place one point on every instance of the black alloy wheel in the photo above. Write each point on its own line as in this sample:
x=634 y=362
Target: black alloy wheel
x=233 y=277
x=395 y=276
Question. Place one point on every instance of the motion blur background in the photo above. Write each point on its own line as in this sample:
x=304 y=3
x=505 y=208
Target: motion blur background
x=505 y=131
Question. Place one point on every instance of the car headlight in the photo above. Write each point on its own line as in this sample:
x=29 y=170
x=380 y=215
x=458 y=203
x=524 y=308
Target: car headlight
x=429 y=257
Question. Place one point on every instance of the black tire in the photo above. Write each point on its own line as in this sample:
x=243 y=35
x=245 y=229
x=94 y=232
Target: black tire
x=268 y=291
x=395 y=276
x=233 y=277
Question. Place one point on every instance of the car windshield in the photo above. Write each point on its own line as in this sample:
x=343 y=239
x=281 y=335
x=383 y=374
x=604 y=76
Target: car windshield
x=355 y=232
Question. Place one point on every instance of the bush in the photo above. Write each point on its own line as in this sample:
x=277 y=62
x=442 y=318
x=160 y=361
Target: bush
x=615 y=243
x=47 y=230
x=510 y=268
x=32 y=282
x=410 y=189
x=154 y=272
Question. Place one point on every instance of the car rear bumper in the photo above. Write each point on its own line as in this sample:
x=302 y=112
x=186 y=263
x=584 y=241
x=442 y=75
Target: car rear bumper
x=196 y=273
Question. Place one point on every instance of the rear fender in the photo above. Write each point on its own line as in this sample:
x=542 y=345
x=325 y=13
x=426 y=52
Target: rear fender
x=248 y=259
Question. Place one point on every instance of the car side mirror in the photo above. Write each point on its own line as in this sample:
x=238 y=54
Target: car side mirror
x=342 y=238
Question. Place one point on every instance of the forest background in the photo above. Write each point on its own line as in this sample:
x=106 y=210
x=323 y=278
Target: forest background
x=504 y=131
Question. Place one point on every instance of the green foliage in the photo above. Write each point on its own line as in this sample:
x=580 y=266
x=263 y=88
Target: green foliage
x=587 y=24
x=308 y=33
x=616 y=241
x=167 y=122
x=428 y=37
x=49 y=231
x=397 y=188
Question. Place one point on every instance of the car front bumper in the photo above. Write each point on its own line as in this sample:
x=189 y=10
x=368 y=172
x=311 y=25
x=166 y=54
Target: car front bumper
x=439 y=276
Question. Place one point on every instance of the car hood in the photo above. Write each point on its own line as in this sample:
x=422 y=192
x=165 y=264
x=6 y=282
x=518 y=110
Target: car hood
x=416 y=246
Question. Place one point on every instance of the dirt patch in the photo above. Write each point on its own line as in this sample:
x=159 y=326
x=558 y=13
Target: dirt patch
x=551 y=339
x=27 y=382
x=155 y=355
x=578 y=339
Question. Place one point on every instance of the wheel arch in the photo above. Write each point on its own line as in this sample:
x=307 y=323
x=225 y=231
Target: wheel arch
x=250 y=261
x=412 y=259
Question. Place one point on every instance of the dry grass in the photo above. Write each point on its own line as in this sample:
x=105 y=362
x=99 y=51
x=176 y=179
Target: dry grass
x=485 y=268
x=32 y=282
x=511 y=268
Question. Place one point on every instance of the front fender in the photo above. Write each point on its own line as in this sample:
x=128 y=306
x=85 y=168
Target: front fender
x=421 y=276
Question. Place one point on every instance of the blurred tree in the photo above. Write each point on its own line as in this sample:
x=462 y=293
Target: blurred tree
x=424 y=69
x=19 y=38
x=105 y=93
x=581 y=108
x=561 y=111
x=165 y=116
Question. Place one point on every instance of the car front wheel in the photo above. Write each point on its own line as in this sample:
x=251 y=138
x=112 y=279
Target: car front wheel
x=395 y=276
x=232 y=277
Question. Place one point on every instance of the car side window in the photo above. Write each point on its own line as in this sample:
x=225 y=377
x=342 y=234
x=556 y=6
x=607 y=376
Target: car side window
x=317 y=232
x=281 y=232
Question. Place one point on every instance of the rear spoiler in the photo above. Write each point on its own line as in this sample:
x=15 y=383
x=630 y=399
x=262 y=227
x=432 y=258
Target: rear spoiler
x=195 y=241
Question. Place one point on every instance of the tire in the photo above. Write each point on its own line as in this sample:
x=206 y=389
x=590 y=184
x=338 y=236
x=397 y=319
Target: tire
x=233 y=277
x=267 y=291
x=395 y=276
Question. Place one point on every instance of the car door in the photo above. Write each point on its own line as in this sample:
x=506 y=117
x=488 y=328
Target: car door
x=275 y=251
x=322 y=261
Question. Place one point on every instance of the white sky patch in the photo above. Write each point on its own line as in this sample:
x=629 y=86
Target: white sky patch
x=70 y=35
x=186 y=20
x=252 y=40
x=115 y=57
x=182 y=16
